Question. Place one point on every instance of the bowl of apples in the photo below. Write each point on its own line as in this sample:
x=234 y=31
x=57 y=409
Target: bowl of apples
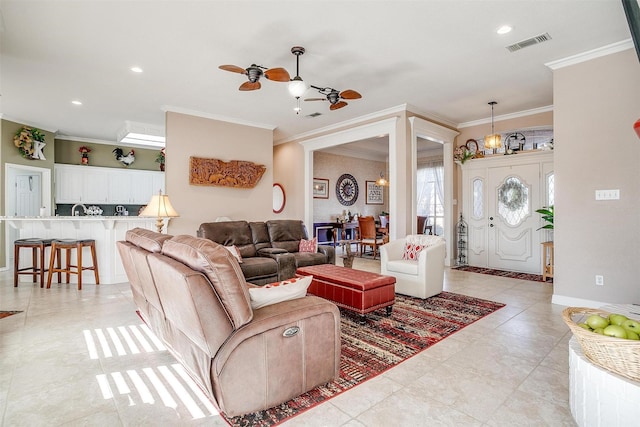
x=610 y=340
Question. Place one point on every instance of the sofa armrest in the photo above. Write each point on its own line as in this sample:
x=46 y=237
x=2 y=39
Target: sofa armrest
x=286 y=261
x=391 y=251
x=287 y=349
x=329 y=252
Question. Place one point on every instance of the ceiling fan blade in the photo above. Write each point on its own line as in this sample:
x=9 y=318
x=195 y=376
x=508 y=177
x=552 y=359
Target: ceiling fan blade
x=249 y=86
x=277 y=74
x=315 y=99
x=233 y=69
x=350 y=94
x=338 y=105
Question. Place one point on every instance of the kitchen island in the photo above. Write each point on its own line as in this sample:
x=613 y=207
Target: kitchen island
x=105 y=230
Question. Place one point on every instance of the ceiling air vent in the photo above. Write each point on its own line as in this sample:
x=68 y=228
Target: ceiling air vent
x=529 y=42
x=313 y=115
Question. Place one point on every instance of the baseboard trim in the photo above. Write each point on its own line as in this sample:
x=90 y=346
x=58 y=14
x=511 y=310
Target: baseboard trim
x=575 y=302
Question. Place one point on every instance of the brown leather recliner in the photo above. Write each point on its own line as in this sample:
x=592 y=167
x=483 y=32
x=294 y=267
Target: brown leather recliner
x=241 y=357
x=269 y=249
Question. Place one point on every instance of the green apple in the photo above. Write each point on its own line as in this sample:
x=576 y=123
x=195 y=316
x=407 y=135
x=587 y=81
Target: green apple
x=631 y=325
x=632 y=335
x=615 y=331
x=595 y=321
x=599 y=331
x=617 y=319
x=585 y=326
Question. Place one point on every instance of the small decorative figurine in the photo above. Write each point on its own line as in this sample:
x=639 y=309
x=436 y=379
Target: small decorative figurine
x=85 y=155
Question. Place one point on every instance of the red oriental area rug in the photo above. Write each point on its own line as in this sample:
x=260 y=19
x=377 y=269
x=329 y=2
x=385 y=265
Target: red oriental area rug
x=504 y=273
x=4 y=314
x=383 y=342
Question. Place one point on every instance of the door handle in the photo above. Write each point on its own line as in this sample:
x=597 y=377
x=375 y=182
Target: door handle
x=490 y=225
x=490 y=218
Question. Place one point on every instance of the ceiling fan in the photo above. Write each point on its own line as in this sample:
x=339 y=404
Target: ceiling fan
x=335 y=97
x=254 y=72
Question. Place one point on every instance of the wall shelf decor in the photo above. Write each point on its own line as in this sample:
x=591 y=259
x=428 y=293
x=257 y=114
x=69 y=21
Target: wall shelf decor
x=215 y=172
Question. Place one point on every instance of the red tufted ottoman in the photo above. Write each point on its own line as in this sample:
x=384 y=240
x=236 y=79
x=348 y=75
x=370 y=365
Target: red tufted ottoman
x=355 y=290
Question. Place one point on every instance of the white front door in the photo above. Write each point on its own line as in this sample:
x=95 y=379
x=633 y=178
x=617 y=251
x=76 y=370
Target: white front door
x=513 y=195
x=28 y=195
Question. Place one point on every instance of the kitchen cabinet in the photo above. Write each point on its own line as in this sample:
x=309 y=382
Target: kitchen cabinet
x=88 y=184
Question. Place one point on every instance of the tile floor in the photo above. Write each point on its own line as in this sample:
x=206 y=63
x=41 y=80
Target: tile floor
x=83 y=358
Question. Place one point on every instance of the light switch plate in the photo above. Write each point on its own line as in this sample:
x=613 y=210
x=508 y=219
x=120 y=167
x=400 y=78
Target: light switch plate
x=607 y=194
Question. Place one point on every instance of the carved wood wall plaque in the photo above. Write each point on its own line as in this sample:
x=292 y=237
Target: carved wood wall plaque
x=234 y=173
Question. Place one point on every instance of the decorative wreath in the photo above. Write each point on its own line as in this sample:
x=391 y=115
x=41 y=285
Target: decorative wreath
x=25 y=139
x=513 y=194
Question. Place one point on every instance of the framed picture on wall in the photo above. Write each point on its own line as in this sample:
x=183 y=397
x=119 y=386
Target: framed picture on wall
x=375 y=193
x=320 y=188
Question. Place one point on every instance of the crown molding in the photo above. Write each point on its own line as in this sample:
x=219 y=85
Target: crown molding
x=509 y=116
x=591 y=54
x=27 y=123
x=180 y=110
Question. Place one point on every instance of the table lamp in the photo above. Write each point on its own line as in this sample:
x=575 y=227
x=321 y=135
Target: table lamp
x=160 y=207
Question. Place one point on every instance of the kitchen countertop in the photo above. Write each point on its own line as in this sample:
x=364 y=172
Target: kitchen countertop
x=108 y=221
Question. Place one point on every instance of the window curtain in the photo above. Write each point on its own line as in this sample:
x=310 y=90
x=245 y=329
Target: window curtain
x=430 y=179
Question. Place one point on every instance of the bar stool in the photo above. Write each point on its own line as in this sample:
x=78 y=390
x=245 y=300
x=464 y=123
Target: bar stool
x=36 y=245
x=69 y=244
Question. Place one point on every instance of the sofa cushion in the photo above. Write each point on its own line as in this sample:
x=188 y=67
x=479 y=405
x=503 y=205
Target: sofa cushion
x=305 y=259
x=403 y=266
x=260 y=235
x=146 y=239
x=286 y=233
x=285 y=290
x=308 y=245
x=415 y=243
x=259 y=267
x=230 y=233
x=222 y=270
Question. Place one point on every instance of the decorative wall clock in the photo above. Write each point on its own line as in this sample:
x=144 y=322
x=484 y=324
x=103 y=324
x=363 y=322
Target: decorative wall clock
x=347 y=189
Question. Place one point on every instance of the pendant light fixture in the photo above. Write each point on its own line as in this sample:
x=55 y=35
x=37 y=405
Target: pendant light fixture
x=382 y=182
x=297 y=87
x=492 y=141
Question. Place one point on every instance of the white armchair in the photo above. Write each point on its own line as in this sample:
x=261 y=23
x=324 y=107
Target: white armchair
x=422 y=278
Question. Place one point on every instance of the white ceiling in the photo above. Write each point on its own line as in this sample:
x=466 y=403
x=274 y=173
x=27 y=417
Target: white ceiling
x=442 y=57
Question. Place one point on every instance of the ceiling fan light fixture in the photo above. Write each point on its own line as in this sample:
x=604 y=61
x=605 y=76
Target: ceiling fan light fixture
x=297 y=87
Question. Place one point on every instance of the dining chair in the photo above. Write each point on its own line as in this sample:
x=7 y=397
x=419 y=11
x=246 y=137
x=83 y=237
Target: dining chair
x=368 y=235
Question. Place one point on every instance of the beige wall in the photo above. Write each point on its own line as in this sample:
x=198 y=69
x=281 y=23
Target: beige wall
x=331 y=166
x=596 y=103
x=288 y=170
x=200 y=137
x=102 y=155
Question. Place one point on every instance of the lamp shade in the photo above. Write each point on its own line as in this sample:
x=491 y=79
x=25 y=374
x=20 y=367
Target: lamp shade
x=160 y=207
x=297 y=87
x=492 y=141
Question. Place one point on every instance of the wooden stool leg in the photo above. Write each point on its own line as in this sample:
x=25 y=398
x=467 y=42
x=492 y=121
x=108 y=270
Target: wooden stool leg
x=59 y=265
x=34 y=263
x=68 y=264
x=95 y=263
x=54 y=251
x=16 y=263
x=79 y=262
x=42 y=265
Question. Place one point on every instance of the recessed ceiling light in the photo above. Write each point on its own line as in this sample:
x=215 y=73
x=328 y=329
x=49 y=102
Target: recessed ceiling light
x=76 y=102
x=504 y=29
x=136 y=69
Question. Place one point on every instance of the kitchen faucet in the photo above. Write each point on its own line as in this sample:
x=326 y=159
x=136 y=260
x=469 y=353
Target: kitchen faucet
x=73 y=209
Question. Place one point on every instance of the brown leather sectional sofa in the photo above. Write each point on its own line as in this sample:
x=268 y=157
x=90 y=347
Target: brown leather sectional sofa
x=269 y=249
x=193 y=295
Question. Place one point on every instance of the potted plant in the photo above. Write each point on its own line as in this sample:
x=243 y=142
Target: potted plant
x=547 y=215
x=161 y=158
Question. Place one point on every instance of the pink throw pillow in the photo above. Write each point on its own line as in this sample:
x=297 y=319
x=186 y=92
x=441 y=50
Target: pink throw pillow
x=308 y=245
x=412 y=251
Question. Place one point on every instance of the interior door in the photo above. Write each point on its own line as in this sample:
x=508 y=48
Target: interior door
x=513 y=242
x=28 y=196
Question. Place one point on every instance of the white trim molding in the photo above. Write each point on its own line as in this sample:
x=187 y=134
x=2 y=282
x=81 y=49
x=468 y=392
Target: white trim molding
x=188 y=112
x=591 y=54
x=383 y=127
x=421 y=128
x=509 y=116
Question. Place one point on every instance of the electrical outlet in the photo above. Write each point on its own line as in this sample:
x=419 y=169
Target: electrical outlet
x=607 y=194
x=599 y=280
